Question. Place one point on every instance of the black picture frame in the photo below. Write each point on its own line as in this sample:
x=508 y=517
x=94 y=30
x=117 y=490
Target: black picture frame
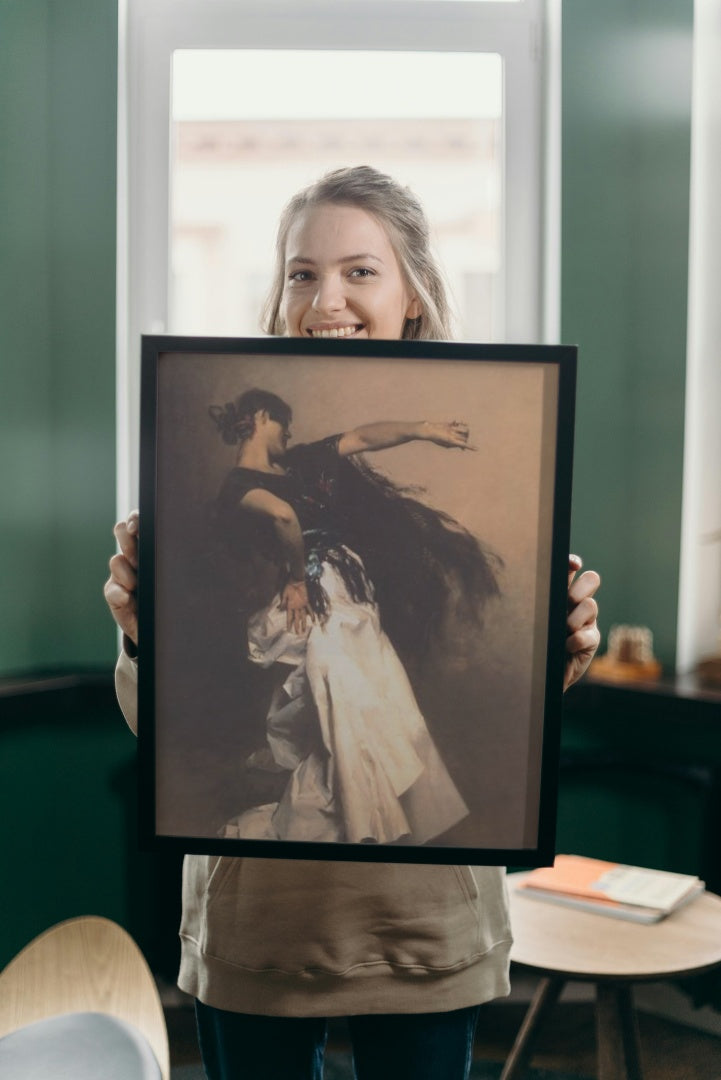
x=491 y=702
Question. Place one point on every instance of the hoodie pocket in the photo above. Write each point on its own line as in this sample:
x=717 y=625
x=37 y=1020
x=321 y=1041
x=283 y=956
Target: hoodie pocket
x=295 y=916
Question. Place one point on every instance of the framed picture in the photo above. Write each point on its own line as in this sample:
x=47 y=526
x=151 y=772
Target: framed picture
x=352 y=597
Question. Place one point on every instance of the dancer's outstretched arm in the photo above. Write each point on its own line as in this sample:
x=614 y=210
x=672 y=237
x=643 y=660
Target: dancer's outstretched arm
x=452 y=435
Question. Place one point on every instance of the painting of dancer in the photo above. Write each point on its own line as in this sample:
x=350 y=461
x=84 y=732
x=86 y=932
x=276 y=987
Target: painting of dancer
x=339 y=567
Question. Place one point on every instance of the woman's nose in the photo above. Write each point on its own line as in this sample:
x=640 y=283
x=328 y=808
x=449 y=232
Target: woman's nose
x=329 y=296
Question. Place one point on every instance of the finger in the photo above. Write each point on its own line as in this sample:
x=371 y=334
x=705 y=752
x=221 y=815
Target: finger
x=123 y=572
x=127 y=539
x=583 y=614
x=585 y=585
x=584 y=641
x=117 y=597
x=123 y=608
x=575 y=563
x=459 y=442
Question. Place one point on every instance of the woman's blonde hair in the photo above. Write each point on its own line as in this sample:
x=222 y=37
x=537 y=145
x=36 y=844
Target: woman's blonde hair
x=403 y=217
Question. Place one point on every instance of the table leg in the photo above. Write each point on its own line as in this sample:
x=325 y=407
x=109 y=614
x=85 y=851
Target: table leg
x=545 y=997
x=617 y=1033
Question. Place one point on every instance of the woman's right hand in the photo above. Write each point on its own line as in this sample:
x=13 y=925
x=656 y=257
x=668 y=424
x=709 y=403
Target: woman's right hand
x=295 y=603
x=452 y=435
x=121 y=587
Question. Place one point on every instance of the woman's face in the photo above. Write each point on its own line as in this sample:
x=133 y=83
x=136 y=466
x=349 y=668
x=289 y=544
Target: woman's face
x=342 y=277
x=275 y=434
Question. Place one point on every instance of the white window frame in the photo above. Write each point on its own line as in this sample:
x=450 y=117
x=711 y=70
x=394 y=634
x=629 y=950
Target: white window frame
x=699 y=597
x=526 y=34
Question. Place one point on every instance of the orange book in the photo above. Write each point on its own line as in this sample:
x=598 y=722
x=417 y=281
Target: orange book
x=612 y=888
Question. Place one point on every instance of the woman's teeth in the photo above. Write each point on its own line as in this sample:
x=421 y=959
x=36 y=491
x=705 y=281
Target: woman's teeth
x=337 y=331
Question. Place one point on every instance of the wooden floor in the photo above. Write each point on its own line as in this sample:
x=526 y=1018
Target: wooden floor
x=669 y=1051
x=567 y=1042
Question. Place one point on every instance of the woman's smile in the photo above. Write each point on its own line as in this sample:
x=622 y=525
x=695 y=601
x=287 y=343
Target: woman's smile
x=335 y=331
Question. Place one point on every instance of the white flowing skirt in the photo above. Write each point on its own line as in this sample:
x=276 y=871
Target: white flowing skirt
x=362 y=765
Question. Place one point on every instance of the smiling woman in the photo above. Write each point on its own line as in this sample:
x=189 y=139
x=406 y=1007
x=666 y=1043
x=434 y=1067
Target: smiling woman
x=358 y=581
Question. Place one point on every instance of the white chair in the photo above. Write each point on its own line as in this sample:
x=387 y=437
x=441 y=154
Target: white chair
x=80 y=1002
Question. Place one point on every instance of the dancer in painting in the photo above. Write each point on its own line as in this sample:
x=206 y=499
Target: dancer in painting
x=345 y=723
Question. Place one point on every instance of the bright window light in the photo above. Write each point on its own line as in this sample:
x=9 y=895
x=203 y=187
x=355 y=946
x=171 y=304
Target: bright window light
x=220 y=84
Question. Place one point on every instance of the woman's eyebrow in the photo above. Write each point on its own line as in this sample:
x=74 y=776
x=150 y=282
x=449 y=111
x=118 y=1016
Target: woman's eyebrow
x=362 y=256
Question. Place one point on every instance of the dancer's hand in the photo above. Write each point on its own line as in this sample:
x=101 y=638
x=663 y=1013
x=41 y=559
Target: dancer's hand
x=294 y=601
x=452 y=435
x=120 y=589
x=583 y=635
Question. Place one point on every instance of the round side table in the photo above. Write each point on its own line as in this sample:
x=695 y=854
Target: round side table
x=562 y=944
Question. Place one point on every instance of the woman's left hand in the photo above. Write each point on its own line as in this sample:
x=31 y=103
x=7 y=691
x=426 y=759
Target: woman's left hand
x=582 y=633
x=452 y=435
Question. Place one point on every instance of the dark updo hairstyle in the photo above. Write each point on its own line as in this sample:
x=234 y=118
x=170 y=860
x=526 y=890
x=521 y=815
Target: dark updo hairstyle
x=235 y=420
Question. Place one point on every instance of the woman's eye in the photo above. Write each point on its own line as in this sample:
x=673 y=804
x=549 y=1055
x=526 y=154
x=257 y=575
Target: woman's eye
x=300 y=276
x=362 y=272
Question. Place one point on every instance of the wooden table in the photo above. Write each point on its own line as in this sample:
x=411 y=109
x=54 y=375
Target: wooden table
x=563 y=944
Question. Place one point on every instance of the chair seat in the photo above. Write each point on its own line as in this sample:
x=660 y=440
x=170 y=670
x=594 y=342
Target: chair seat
x=78 y=1046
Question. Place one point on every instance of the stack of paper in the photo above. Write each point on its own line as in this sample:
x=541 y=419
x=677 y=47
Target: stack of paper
x=624 y=892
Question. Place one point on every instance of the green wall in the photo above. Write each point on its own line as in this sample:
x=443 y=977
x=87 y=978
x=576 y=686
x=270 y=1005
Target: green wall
x=58 y=72
x=626 y=145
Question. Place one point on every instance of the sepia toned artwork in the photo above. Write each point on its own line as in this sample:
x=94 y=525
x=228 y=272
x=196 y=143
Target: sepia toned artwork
x=352 y=595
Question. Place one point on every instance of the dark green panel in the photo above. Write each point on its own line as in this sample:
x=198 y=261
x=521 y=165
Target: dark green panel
x=640 y=820
x=83 y=76
x=58 y=75
x=641 y=777
x=26 y=480
x=626 y=145
x=68 y=784
x=64 y=785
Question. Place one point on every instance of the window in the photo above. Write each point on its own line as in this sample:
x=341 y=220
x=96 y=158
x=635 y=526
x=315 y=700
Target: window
x=227 y=107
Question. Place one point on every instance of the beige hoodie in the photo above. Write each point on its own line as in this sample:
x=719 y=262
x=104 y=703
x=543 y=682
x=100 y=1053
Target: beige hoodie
x=298 y=938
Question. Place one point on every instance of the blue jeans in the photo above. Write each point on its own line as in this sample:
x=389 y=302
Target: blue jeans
x=413 y=1046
